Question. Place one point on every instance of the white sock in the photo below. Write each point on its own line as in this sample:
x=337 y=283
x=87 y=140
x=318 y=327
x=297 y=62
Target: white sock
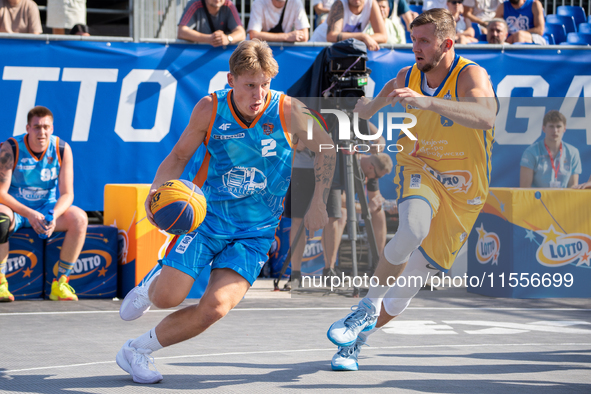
x=377 y=303
x=365 y=334
x=147 y=341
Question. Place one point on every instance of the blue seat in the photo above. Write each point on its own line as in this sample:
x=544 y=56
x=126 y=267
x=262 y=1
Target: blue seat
x=416 y=8
x=585 y=28
x=578 y=13
x=549 y=39
x=557 y=31
x=578 y=39
x=567 y=21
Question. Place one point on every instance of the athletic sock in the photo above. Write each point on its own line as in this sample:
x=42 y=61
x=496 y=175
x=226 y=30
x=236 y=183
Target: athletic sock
x=64 y=268
x=3 y=266
x=365 y=334
x=147 y=341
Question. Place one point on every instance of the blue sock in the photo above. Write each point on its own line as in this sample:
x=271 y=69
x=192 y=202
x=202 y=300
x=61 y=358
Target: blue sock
x=64 y=268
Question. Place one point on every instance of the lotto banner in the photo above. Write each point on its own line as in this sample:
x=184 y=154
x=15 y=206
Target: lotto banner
x=122 y=106
x=532 y=243
x=24 y=267
x=95 y=272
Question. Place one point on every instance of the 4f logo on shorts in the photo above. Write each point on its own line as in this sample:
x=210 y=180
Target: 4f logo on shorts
x=186 y=241
x=415 y=181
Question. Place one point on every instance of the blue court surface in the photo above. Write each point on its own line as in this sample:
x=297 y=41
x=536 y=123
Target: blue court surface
x=448 y=341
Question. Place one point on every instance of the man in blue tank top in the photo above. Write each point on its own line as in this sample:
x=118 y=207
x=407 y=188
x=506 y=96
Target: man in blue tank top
x=33 y=167
x=525 y=19
x=249 y=132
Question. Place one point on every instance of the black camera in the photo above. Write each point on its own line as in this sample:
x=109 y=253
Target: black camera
x=347 y=74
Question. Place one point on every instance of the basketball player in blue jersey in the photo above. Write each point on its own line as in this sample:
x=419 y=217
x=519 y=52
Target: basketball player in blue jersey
x=442 y=177
x=249 y=132
x=33 y=166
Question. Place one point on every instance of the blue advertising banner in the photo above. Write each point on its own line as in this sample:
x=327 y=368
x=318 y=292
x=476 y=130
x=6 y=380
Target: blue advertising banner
x=122 y=106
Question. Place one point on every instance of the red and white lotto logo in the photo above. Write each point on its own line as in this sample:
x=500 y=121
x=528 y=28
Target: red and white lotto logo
x=488 y=246
x=558 y=249
x=457 y=181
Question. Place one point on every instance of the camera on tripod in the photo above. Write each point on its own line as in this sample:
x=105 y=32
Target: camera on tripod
x=348 y=76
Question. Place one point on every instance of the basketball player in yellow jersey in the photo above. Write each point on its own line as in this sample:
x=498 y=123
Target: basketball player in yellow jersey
x=442 y=177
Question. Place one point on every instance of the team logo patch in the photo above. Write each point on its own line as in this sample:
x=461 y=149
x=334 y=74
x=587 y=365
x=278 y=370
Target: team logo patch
x=488 y=246
x=559 y=249
x=268 y=128
x=447 y=95
x=415 y=181
x=184 y=244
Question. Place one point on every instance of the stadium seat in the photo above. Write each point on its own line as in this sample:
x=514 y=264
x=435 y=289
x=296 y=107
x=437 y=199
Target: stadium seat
x=578 y=13
x=416 y=8
x=567 y=21
x=578 y=39
x=585 y=28
x=557 y=31
x=549 y=39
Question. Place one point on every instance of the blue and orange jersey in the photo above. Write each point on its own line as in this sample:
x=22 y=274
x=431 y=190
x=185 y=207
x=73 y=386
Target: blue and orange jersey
x=35 y=178
x=457 y=156
x=246 y=170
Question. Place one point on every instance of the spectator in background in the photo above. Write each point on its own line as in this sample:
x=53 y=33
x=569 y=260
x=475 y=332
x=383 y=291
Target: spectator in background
x=464 y=29
x=321 y=9
x=394 y=28
x=214 y=22
x=429 y=4
x=80 y=30
x=525 y=19
x=402 y=12
x=20 y=16
x=279 y=20
x=586 y=185
x=481 y=11
x=348 y=19
x=64 y=14
x=497 y=31
x=550 y=162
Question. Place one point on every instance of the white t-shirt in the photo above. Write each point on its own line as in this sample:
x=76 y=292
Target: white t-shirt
x=483 y=9
x=428 y=4
x=264 y=16
x=325 y=3
x=351 y=23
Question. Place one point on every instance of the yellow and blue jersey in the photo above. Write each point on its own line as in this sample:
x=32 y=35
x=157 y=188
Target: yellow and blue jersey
x=35 y=179
x=246 y=170
x=456 y=156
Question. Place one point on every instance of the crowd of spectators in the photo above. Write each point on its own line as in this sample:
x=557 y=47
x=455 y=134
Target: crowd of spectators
x=63 y=17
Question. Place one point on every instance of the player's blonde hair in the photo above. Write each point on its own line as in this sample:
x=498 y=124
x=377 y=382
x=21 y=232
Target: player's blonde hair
x=382 y=161
x=253 y=56
x=445 y=25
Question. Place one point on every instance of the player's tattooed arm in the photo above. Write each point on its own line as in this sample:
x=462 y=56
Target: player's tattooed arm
x=6 y=163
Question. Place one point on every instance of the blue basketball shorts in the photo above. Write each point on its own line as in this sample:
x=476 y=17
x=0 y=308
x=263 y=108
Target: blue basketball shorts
x=194 y=251
x=21 y=221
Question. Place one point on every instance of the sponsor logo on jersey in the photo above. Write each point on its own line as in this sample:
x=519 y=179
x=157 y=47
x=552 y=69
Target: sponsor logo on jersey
x=268 y=128
x=225 y=126
x=415 y=181
x=27 y=167
x=447 y=96
x=488 y=246
x=243 y=181
x=33 y=193
x=228 y=137
x=558 y=249
x=184 y=244
x=457 y=181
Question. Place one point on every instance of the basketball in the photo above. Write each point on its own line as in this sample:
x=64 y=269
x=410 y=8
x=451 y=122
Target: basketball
x=178 y=206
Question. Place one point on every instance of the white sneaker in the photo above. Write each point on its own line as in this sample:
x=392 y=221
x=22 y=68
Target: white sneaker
x=136 y=362
x=137 y=302
x=344 y=332
x=346 y=357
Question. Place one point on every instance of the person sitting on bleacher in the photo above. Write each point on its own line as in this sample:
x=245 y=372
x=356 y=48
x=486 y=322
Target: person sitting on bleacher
x=464 y=29
x=348 y=19
x=551 y=162
x=279 y=20
x=321 y=9
x=32 y=168
x=497 y=31
x=214 y=22
x=525 y=19
x=481 y=11
x=394 y=28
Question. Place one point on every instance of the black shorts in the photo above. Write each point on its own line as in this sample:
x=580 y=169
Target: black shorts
x=302 y=181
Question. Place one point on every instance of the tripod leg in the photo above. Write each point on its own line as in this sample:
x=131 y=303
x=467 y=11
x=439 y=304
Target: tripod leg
x=371 y=239
x=288 y=258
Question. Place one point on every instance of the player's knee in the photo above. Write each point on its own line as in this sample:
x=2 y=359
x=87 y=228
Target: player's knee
x=165 y=300
x=4 y=227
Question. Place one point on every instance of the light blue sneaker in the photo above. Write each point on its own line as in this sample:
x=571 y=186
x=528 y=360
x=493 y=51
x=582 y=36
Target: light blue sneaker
x=344 y=332
x=137 y=302
x=346 y=358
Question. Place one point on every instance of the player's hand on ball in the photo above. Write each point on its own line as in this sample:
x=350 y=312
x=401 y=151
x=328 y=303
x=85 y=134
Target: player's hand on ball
x=149 y=214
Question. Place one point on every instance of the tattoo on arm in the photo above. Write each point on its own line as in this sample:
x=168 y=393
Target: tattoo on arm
x=337 y=12
x=6 y=162
x=324 y=172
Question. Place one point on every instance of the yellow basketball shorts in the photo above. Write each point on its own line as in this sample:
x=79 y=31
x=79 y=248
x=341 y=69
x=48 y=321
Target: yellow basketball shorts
x=452 y=220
